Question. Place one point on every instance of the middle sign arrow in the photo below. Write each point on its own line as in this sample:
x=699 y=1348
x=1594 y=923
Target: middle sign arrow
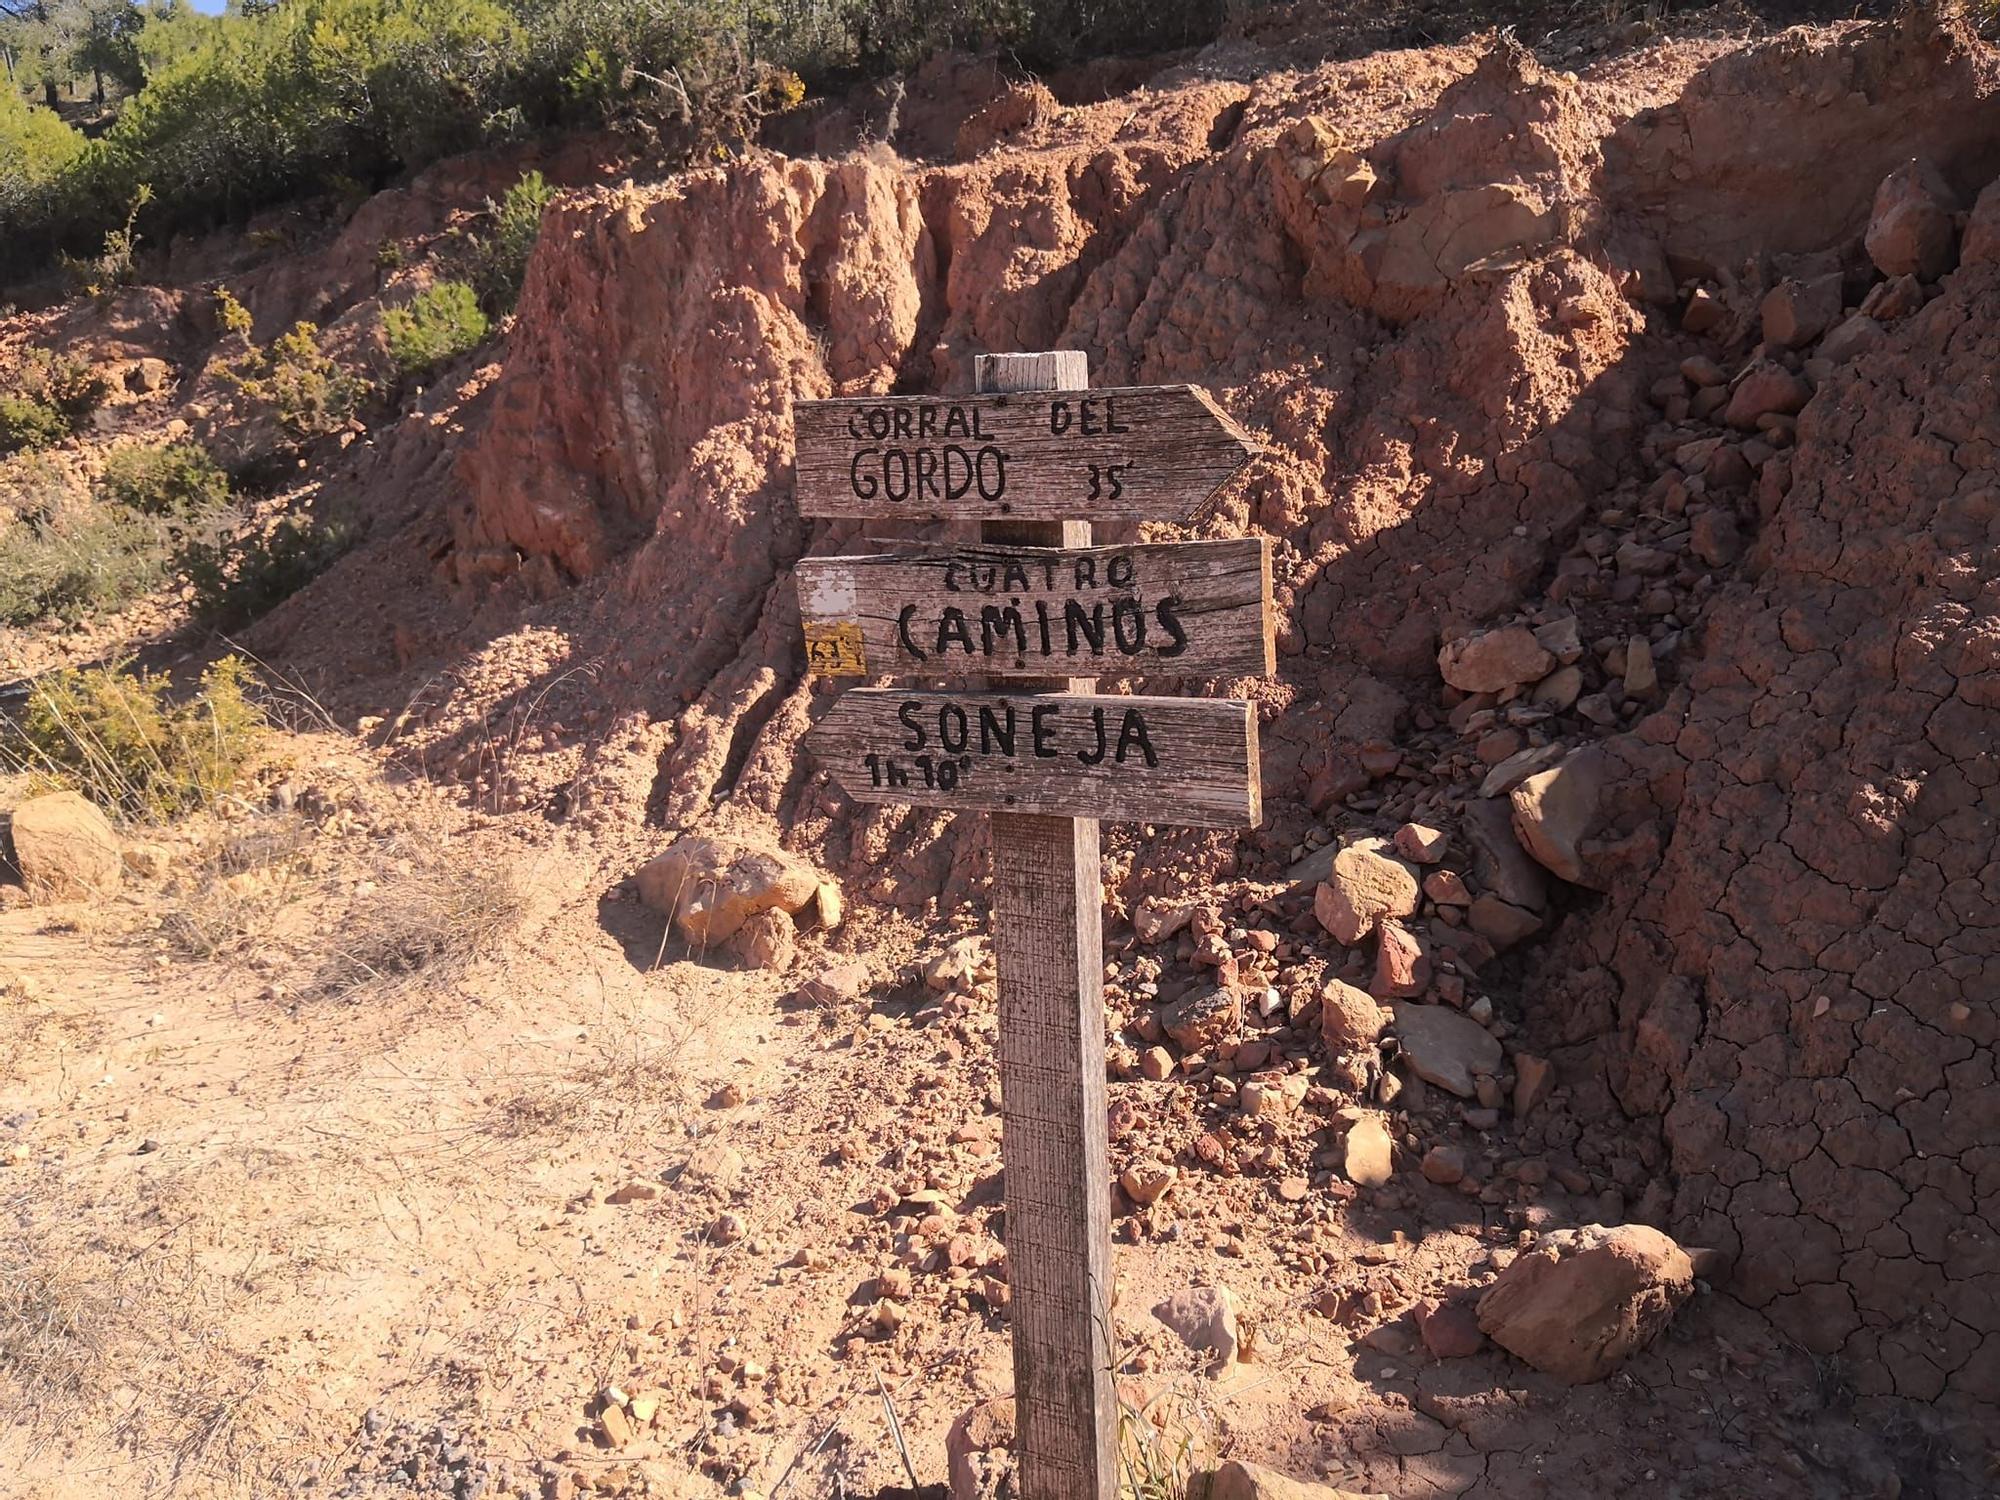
x=1185 y=609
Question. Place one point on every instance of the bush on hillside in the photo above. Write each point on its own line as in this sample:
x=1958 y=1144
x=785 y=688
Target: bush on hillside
x=28 y=425
x=50 y=396
x=118 y=738
x=75 y=561
x=500 y=256
x=237 y=570
x=173 y=479
x=439 y=324
x=304 y=387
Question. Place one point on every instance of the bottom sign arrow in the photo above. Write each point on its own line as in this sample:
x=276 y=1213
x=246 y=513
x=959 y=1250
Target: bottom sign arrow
x=1124 y=759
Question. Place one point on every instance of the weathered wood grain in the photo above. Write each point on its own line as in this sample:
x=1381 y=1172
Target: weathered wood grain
x=1190 y=761
x=1137 y=453
x=1048 y=946
x=1197 y=609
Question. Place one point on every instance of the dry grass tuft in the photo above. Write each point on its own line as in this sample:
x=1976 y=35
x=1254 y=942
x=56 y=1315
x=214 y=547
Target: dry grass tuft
x=223 y=902
x=426 y=920
x=55 y=1322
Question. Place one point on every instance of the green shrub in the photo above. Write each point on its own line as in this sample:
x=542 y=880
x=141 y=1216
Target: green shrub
x=306 y=388
x=439 y=324
x=238 y=571
x=51 y=396
x=77 y=561
x=500 y=257
x=173 y=480
x=28 y=425
x=117 y=738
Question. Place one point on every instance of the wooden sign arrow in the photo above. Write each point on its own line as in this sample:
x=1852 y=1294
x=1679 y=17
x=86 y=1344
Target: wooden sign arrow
x=1190 y=761
x=1192 y=609
x=1137 y=453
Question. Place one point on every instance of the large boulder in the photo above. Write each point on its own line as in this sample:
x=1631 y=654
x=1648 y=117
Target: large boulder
x=1910 y=229
x=66 y=849
x=1579 y=1302
x=710 y=886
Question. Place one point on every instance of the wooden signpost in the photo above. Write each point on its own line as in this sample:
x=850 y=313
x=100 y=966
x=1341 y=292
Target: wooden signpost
x=1035 y=458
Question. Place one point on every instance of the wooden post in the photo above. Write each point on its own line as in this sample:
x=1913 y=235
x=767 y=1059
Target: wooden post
x=1049 y=950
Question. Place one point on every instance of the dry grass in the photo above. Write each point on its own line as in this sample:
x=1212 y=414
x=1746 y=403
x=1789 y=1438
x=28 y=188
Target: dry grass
x=106 y=1348
x=223 y=902
x=426 y=919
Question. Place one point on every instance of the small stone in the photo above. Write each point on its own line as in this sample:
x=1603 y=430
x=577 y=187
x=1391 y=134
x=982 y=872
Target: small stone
x=65 y=848
x=148 y=861
x=1146 y=1182
x=1715 y=538
x=1294 y=1189
x=615 y=1425
x=1501 y=923
x=1198 y=1021
x=1516 y=769
x=1895 y=298
x=1554 y=810
x=1450 y=1329
x=1369 y=1154
x=1559 y=689
x=1641 y=677
x=637 y=1190
x=1444 y=1047
x=1365 y=883
x=726 y=1229
x=1794 y=313
x=1447 y=888
x=1349 y=1018
x=1534 y=1081
x=1402 y=967
x=1853 y=337
x=1701 y=371
x=1156 y=1064
x=1766 y=386
x=1420 y=844
x=957 y=968
x=1492 y=661
x=1704 y=312
x=1154 y=921
x=979 y=1451
x=838 y=985
x=1444 y=1165
x=1237 y=1479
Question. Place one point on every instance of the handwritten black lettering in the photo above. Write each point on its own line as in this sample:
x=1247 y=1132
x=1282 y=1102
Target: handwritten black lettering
x=1132 y=733
x=910 y=715
x=1167 y=612
x=1041 y=731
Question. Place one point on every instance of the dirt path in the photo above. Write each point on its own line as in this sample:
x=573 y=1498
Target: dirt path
x=284 y=1245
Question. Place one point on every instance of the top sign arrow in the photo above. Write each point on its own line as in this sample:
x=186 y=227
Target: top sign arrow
x=1137 y=453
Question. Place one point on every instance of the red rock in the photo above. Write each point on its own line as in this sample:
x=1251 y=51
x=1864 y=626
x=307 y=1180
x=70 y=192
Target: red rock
x=1211 y=1014
x=1855 y=336
x=1420 y=844
x=1492 y=661
x=1146 y=1182
x=1349 y=1018
x=1443 y=1165
x=1501 y=923
x=1364 y=885
x=840 y=984
x=1579 y=1302
x=1981 y=244
x=1447 y=888
x=1449 y=1329
x=1402 y=967
x=1701 y=372
x=1534 y=1081
x=1895 y=298
x=1715 y=538
x=1444 y=1047
x=1555 y=810
x=1910 y=228
x=1704 y=312
x=1766 y=386
x=1794 y=313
